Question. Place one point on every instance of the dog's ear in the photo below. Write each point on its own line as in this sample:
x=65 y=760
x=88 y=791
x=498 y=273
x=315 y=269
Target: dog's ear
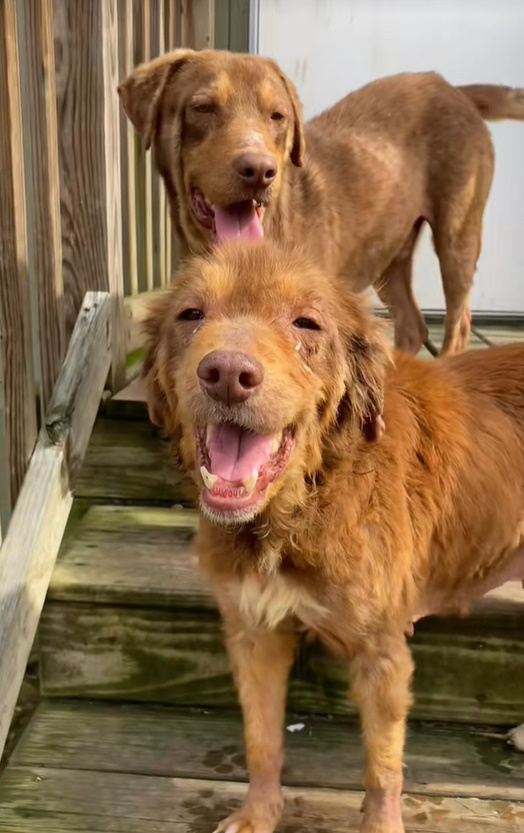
x=367 y=356
x=298 y=147
x=156 y=369
x=141 y=93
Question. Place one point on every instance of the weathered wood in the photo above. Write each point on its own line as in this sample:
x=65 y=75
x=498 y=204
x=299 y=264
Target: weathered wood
x=500 y=333
x=144 y=556
x=126 y=460
x=33 y=798
x=440 y=760
x=198 y=23
x=131 y=555
x=18 y=412
x=30 y=548
x=86 y=62
x=37 y=69
x=148 y=654
x=127 y=154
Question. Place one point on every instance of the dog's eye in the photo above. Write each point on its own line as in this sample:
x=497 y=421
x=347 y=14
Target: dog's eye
x=276 y=116
x=191 y=315
x=305 y=324
x=205 y=107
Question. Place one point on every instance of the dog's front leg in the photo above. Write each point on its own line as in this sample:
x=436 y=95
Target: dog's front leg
x=381 y=675
x=260 y=661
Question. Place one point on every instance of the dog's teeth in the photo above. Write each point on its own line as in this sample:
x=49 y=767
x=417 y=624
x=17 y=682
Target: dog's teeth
x=208 y=478
x=275 y=444
x=250 y=482
x=209 y=431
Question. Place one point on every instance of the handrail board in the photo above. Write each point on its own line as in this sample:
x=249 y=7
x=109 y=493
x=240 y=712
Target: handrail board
x=29 y=551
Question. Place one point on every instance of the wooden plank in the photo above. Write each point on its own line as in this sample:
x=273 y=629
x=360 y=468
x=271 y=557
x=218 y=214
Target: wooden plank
x=144 y=556
x=43 y=184
x=500 y=334
x=198 y=23
x=30 y=548
x=127 y=461
x=86 y=62
x=131 y=555
x=239 y=26
x=148 y=654
x=113 y=190
x=72 y=800
x=128 y=157
x=19 y=413
x=440 y=760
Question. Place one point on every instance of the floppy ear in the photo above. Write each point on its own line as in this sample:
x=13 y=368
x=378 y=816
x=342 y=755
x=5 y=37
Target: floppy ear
x=299 y=142
x=155 y=371
x=367 y=356
x=141 y=93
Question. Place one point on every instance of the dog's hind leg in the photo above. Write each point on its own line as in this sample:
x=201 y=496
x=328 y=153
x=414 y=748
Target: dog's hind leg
x=380 y=687
x=458 y=251
x=260 y=661
x=396 y=292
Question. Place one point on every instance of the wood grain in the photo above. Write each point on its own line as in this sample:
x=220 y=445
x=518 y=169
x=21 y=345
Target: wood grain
x=43 y=184
x=128 y=156
x=30 y=548
x=86 y=66
x=440 y=760
x=152 y=654
x=17 y=410
x=140 y=555
x=34 y=798
x=113 y=189
x=126 y=460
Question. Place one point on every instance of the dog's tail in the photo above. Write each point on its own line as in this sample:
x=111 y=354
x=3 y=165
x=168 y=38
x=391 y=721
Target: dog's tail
x=496 y=102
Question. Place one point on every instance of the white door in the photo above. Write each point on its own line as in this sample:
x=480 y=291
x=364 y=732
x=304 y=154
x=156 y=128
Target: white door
x=329 y=47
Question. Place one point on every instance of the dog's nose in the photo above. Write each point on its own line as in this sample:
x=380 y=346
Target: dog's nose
x=229 y=377
x=256 y=169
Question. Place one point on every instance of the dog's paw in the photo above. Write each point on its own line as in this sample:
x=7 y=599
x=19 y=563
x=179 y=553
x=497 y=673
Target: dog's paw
x=250 y=819
x=516 y=738
x=382 y=827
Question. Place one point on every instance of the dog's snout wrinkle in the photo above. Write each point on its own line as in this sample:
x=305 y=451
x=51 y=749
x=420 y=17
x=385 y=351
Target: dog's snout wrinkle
x=229 y=377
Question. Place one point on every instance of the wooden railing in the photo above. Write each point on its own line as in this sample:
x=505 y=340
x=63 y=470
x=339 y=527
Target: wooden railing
x=81 y=208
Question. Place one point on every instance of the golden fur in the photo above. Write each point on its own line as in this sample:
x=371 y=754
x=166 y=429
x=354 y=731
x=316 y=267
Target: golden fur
x=403 y=494
x=356 y=184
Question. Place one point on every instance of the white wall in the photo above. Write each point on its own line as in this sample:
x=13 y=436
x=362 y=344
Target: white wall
x=329 y=47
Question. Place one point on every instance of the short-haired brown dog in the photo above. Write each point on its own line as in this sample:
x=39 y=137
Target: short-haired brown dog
x=343 y=491
x=355 y=185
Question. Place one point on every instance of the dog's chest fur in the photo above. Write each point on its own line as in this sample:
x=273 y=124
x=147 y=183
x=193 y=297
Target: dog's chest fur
x=267 y=600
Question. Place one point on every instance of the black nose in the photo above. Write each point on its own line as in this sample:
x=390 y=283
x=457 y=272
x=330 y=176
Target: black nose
x=256 y=169
x=229 y=377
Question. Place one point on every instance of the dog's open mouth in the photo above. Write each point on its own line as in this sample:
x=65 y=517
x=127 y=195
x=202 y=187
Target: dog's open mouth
x=237 y=466
x=241 y=220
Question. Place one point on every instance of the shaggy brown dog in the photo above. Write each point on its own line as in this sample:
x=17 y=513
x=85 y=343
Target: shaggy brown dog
x=340 y=493
x=228 y=139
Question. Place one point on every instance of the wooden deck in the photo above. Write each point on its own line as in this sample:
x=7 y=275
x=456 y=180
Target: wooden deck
x=137 y=729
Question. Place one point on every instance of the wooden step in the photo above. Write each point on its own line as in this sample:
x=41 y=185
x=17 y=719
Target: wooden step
x=128 y=618
x=129 y=769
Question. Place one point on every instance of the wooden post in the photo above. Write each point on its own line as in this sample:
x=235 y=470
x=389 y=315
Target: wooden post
x=37 y=71
x=86 y=65
x=29 y=551
x=17 y=403
x=128 y=157
x=198 y=24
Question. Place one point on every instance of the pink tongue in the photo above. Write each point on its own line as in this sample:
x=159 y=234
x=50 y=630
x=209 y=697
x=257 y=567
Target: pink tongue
x=237 y=221
x=234 y=454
